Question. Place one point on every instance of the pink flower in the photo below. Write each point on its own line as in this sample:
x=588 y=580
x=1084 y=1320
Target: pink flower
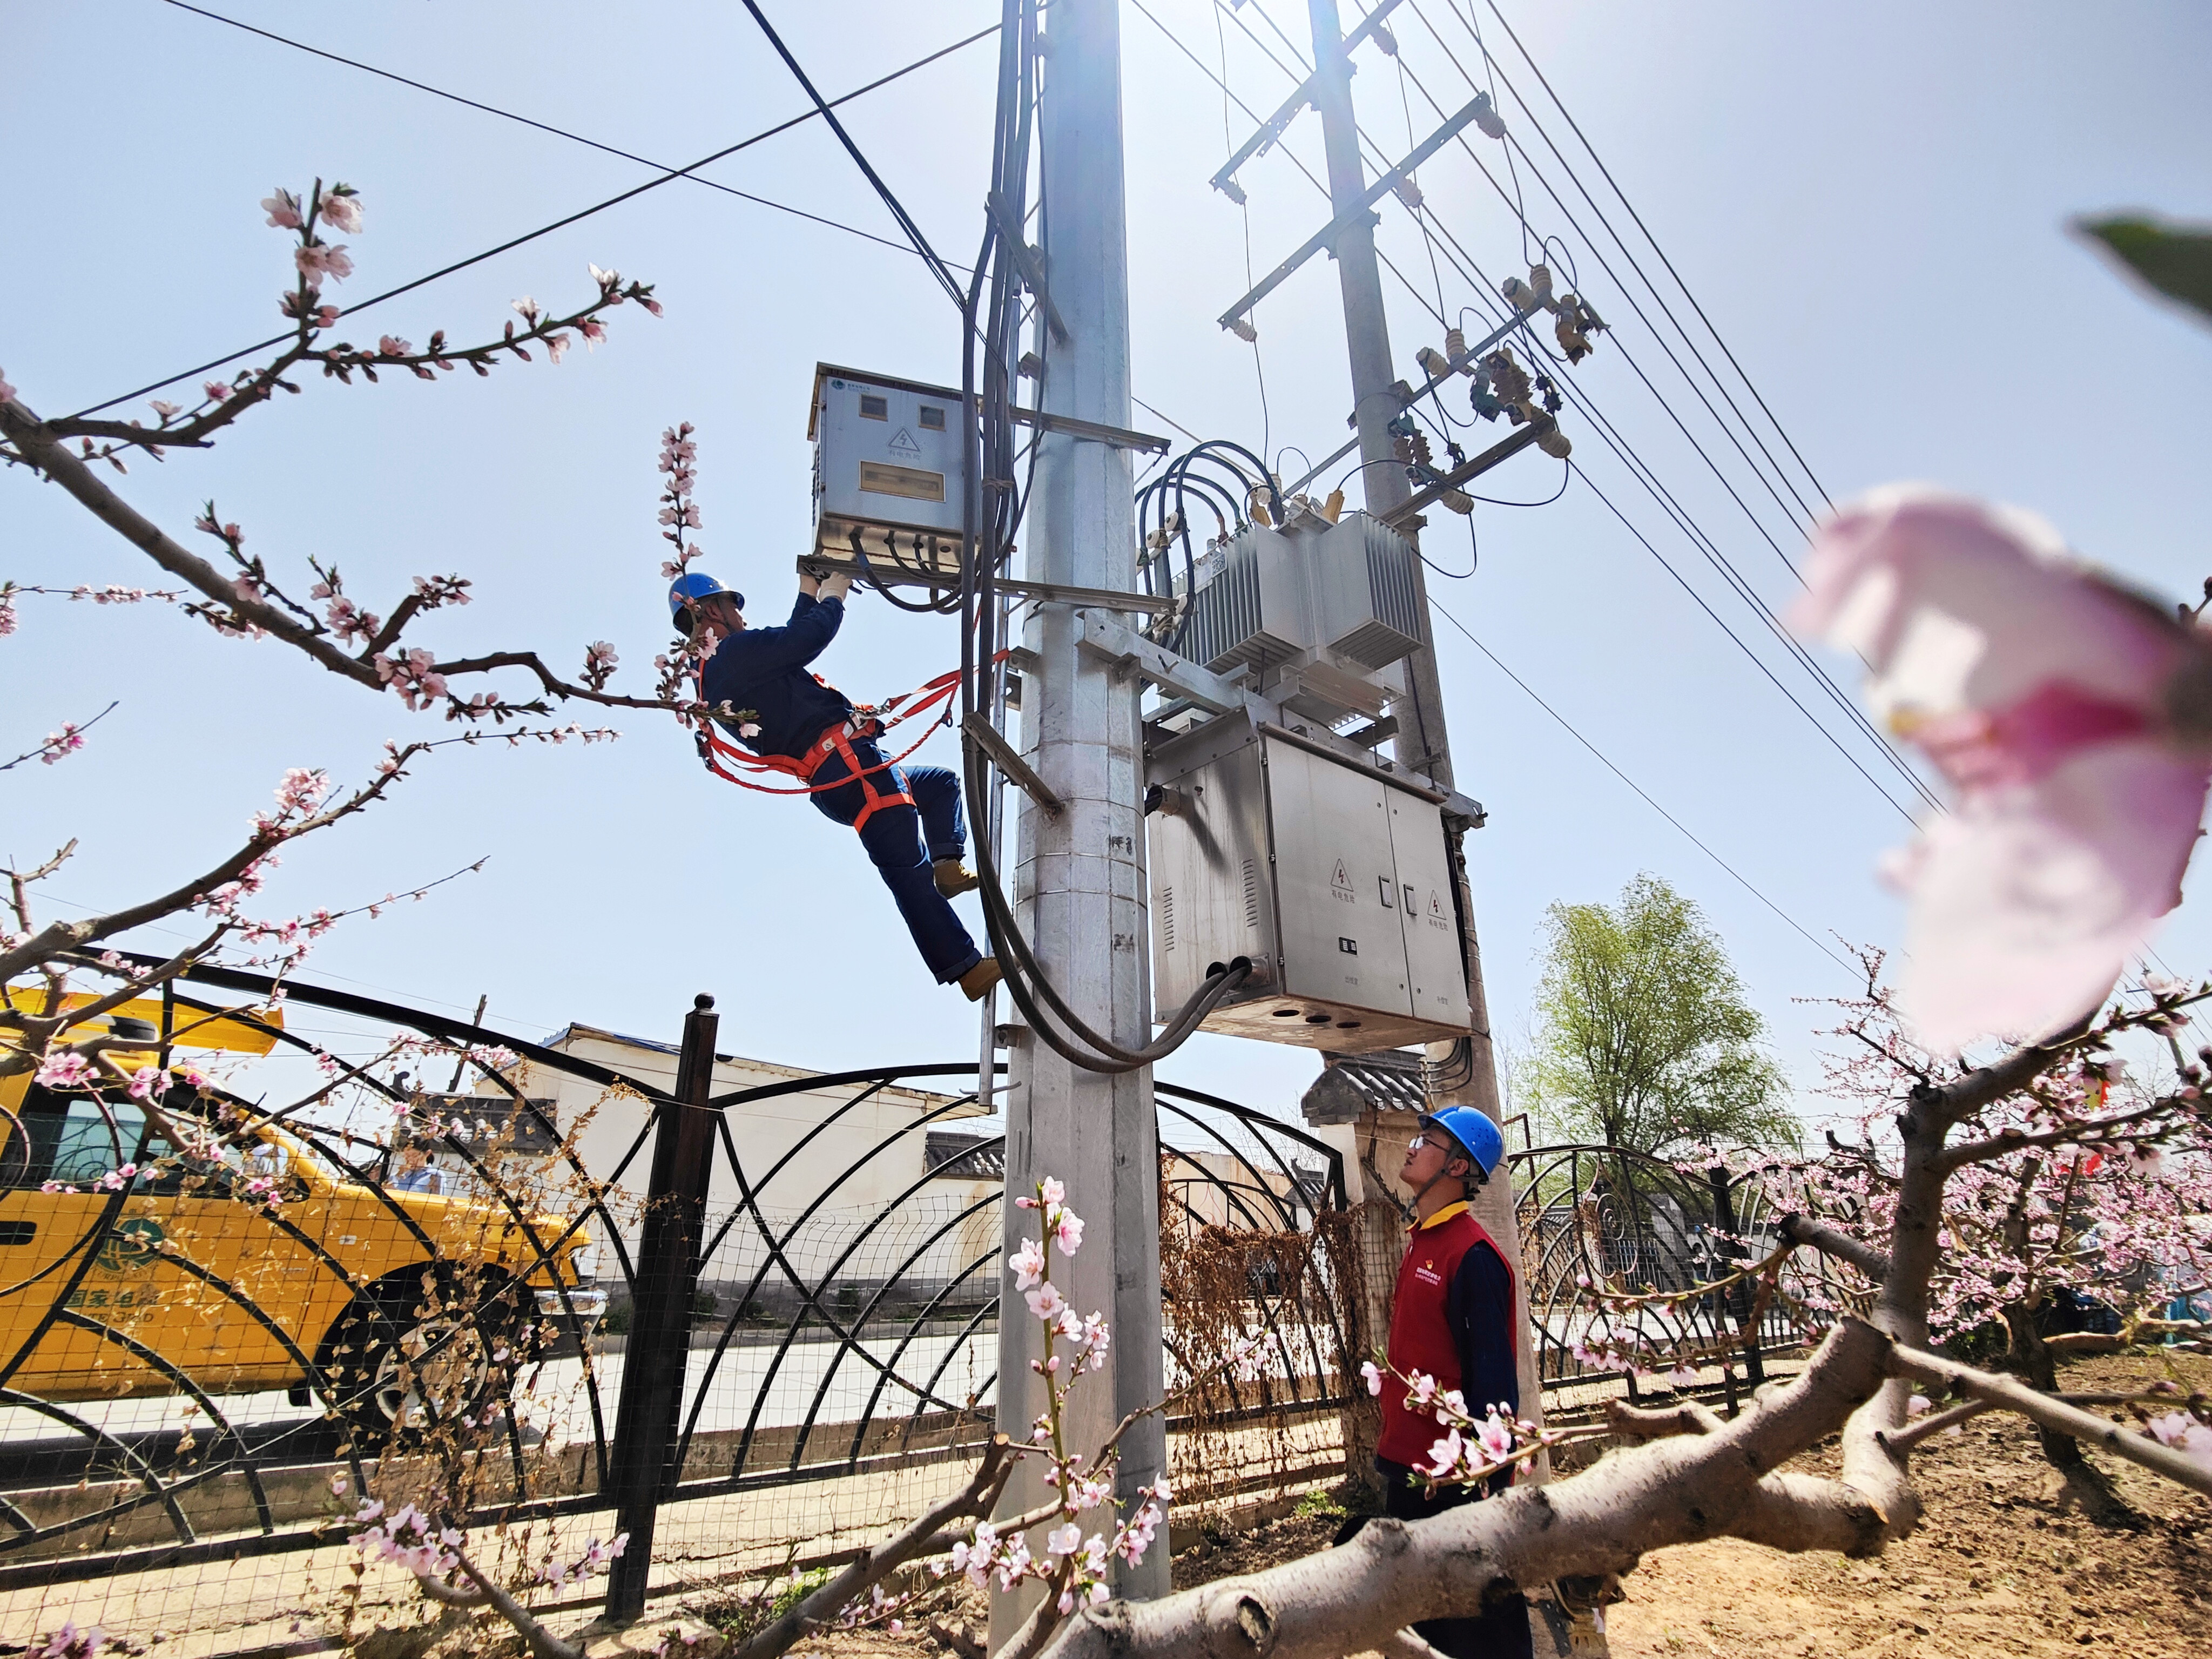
x=1026 y=1264
x=391 y=346
x=1064 y=1540
x=1046 y=1302
x=1444 y=1456
x=1051 y=1191
x=320 y=259
x=148 y=1082
x=2072 y=719
x=1067 y=1232
x=217 y=391
x=1495 y=1439
x=341 y=211
x=65 y=1070
x=284 y=209
x=1373 y=1374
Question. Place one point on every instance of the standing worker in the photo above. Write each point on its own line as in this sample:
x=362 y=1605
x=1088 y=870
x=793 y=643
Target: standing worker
x=799 y=724
x=1452 y=1319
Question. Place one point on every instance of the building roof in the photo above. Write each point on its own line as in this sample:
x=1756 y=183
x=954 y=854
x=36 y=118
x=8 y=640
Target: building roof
x=1391 y=1080
x=576 y=1031
x=949 y=1156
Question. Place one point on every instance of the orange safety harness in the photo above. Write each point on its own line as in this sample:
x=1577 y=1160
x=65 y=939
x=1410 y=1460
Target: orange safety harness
x=838 y=739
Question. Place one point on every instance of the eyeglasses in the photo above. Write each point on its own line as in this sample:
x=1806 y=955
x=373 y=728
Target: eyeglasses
x=1426 y=1138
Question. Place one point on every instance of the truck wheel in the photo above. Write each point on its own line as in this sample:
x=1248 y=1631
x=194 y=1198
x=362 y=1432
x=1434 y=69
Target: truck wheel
x=410 y=1376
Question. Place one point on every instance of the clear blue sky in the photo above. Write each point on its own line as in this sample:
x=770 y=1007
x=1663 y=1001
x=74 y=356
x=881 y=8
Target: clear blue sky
x=1867 y=200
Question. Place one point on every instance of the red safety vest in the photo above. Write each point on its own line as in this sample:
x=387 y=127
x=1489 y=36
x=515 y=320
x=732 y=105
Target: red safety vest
x=1420 y=1337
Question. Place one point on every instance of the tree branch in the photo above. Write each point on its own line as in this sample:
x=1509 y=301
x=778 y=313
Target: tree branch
x=1671 y=1491
x=2043 y=1410
x=875 y=1564
x=46 y=452
x=1819 y=1236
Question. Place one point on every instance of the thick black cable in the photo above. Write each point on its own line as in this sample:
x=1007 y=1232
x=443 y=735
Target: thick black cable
x=542 y=126
x=547 y=230
x=937 y=266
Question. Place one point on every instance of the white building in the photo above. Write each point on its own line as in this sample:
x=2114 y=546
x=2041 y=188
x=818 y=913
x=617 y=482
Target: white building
x=840 y=1176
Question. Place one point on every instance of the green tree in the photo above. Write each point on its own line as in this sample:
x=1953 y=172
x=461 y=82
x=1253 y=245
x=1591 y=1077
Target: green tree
x=1644 y=1038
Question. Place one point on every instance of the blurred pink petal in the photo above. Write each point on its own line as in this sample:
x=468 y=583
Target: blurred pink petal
x=2067 y=715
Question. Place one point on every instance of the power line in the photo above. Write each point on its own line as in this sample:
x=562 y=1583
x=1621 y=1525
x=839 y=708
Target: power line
x=558 y=224
x=543 y=126
x=1656 y=248
x=898 y=209
x=1642 y=793
x=1626 y=293
x=1639 y=470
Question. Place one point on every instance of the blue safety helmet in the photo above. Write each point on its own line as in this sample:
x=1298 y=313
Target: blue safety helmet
x=1478 y=1137
x=695 y=585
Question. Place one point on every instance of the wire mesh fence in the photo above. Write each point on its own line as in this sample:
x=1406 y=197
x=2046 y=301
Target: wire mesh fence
x=338 y=1251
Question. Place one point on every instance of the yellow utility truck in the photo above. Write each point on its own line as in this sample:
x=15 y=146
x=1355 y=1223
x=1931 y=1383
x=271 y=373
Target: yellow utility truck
x=185 y=1240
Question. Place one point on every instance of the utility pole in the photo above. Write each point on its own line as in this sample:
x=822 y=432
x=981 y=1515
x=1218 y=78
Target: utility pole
x=1422 y=744
x=1079 y=886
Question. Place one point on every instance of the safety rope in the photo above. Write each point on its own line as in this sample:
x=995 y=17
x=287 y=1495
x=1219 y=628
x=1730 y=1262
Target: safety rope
x=866 y=723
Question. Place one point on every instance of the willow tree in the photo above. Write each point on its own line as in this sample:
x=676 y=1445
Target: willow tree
x=1643 y=1037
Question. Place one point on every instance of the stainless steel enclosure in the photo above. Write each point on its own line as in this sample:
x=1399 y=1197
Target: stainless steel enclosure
x=1331 y=876
x=887 y=463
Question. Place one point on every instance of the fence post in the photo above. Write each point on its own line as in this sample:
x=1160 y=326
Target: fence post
x=660 y=1343
x=1740 y=1300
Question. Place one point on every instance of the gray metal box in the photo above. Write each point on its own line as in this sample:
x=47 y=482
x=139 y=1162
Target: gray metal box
x=1331 y=876
x=886 y=462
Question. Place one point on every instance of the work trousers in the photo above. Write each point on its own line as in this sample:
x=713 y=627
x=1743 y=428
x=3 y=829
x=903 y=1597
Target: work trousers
x=894 y=838
x=1502 y=1630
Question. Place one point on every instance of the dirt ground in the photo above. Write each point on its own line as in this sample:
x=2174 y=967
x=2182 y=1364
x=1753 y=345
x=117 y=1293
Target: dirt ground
x=2008 y=1561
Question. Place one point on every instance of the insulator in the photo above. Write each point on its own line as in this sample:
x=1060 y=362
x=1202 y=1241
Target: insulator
x=1409 y=192
x=1242 y=329
x=1487 y=117
x=1519 y=295
x=1554 y=442
x=1540 y=278
x=1333 y=508
x=1385 y=39
x=1507 y=378
x=1454 y=343
x=1256 y=508
x=1458 y=500
x=1231 y=189
x=1433 y=363
x=1421 y=453
x=1572 y=340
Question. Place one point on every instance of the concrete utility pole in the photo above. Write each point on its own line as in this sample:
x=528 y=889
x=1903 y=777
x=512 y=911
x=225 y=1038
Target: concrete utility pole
x=1079 y=887
x=1422 y=743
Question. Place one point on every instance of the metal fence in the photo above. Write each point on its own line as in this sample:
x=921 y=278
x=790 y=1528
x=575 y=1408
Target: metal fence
x=224 y=1322
x=1594 y=1217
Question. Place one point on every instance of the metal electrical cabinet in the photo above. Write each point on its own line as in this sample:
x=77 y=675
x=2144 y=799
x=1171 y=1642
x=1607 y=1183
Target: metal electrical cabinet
x=887 y=464
x=1331 y=876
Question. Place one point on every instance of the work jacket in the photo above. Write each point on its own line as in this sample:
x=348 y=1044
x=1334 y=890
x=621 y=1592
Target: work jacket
x=1452 y=1319
x=764 y=670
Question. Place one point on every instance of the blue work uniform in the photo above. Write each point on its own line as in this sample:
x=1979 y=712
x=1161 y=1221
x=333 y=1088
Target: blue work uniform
x=764 y=670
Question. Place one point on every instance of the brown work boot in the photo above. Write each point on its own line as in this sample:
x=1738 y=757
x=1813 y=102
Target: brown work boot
x=975 y=984
x=954 y=878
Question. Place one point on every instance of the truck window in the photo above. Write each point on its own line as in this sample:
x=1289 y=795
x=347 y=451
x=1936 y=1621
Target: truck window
x=68 y=1139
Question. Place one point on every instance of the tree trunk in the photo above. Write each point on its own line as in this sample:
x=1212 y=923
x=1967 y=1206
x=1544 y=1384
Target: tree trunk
x=2028 y=1356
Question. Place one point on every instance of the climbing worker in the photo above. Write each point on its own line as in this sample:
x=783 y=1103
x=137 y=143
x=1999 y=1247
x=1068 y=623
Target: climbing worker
x=1452 y=1319
x=800 y=725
